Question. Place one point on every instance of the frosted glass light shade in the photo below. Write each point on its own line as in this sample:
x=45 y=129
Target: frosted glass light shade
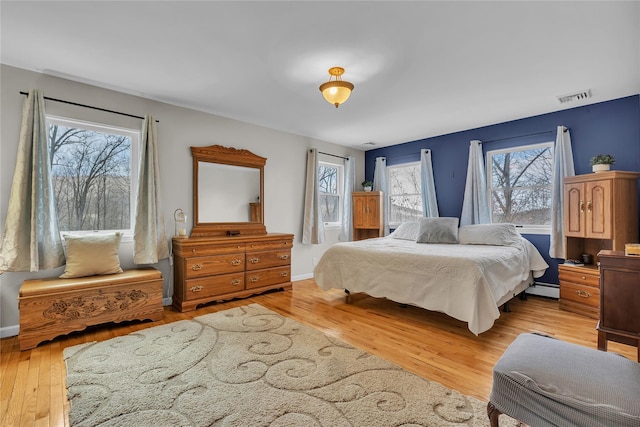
x=336 y=92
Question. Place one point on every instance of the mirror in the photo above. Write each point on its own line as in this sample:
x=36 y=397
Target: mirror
x=227 y=191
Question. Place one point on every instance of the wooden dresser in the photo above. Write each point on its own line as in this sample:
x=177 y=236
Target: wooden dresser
x=619 y=299
x=600 y=212
x=368 y=214
x=220 y=268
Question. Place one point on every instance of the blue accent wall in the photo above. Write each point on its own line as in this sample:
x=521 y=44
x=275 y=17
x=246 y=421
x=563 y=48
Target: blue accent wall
x=608 y=127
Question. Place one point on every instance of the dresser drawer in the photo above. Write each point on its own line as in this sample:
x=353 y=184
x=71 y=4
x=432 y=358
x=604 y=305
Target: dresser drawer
x=587 y=278
x=267 y=259
x=263 y=246
x=270 y=276
x=217 y=264
x=196 y=251
x=215 y=285
x=580 y=293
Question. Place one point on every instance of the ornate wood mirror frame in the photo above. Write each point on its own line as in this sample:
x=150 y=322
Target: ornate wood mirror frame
x=219 y=155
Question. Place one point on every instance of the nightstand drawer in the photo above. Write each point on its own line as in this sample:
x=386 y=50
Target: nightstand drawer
x=579 y=293
x=585 y=277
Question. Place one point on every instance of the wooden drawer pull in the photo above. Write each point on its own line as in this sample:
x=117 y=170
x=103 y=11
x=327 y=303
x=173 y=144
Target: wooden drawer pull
x=193 y=251
x=583 y=294
x=196 y=288
x=584 y=278
x=284 y=256
x=284 y=274
x=236 y=262
x=253 y=279
x=255 y=260
x=235 y=282
x=196 y=267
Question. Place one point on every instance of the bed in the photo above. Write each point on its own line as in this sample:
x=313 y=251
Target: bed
x=467 y=275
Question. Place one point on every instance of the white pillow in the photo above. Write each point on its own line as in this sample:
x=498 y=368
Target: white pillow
x=438 y=230
x=91 y=255
x=489 y=234
x=406 y=231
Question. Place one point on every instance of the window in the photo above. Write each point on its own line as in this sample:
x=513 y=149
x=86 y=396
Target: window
x=405 y=194
x=92 y=167
x=330 y=178
x=519 y=186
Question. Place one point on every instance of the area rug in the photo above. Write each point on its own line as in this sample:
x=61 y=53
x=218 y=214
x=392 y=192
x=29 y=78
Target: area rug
x=249 y=366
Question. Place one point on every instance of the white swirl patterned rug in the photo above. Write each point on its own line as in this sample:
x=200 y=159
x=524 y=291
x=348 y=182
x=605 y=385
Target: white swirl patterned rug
x=247 y=367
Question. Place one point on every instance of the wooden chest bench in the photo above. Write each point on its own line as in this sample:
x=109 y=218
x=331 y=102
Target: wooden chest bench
x=53 y=307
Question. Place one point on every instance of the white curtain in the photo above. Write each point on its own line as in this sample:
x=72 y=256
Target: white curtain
x=31 y=240
x=475 y=206
x=562 y=167
x=149 y=236
x=346 y=233
x=428 y=186
x=313 y=227
x=380 y=184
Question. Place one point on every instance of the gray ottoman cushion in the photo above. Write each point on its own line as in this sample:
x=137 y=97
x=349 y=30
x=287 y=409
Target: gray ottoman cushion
x=542 y=381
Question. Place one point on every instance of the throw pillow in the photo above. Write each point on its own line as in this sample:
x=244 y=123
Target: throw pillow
x=489 y=234
x=438 y=230
x=91 y=255
x=406 y=231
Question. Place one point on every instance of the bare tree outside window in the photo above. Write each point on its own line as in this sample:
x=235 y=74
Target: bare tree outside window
x=405 y=194
x=92 y=178
x=329 y=187
x=520 y=184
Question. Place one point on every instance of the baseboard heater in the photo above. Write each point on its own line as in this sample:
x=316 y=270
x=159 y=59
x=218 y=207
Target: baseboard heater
x=544 y=289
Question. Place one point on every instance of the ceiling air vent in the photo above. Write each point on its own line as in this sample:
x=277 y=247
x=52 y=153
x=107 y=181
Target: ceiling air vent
x=577 y=96
x=369 y=144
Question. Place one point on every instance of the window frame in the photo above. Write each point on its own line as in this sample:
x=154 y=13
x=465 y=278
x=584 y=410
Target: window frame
x=522 y=228
x=135 y=136
x=340 y=191
x=417 y=163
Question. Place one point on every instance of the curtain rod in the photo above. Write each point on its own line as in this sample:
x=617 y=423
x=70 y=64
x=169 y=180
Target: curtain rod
x=89 y=106
x=333 y=155
x=522 y=136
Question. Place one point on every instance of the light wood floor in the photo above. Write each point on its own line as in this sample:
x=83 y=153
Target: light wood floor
x=432 y=345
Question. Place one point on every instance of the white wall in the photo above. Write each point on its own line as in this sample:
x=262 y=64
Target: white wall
x=178 y=130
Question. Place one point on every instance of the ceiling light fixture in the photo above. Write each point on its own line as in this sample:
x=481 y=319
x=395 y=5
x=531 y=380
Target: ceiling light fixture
x=336 y=91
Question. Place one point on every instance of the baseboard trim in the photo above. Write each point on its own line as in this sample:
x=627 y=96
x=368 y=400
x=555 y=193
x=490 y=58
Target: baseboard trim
x=302 y=277
x=9 y=331
x=544 y=289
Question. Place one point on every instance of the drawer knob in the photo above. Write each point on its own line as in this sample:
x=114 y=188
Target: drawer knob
x=196 y=288
x=196 y=267
x=255 y=260
x=284 y=256
x=253 y=279
x=584 y=278
x=583 y=294
x=284 y=274
x=193 y=251
x=235 y=282
x=236 y=262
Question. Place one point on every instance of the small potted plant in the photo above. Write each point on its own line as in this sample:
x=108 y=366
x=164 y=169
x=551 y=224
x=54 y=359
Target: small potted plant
x=367 y=185
x=602 y=162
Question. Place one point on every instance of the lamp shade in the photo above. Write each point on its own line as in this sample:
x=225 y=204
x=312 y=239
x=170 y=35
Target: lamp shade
x=336 y=91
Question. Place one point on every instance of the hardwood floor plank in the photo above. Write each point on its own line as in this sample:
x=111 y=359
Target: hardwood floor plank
x=429 y=344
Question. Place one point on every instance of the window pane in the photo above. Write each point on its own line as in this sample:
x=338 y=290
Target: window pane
x=330 y=208
x=524 y=207
x=520 y=184
x=92 y=178
x=405 y=194
x=405 y=208
x=328 y=179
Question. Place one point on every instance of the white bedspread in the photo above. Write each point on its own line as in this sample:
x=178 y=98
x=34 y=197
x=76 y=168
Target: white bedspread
x=463 y=281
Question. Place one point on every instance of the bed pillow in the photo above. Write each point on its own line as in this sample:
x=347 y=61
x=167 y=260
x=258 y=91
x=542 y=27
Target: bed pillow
x=438 y=230
x=489 y=234
x=406 y=231
x=92 y=255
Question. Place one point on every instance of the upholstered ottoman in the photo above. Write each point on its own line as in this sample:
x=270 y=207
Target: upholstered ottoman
x=542 y=381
